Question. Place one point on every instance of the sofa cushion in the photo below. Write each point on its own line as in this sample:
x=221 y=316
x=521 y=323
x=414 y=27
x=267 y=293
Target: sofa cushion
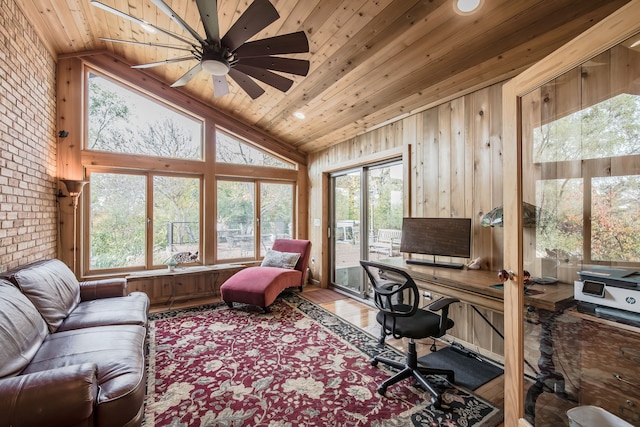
x=22 y=330
x=51 y=286
x=132 y=309
x=118 y=353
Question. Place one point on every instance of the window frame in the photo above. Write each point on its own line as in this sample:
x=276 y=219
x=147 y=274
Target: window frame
x=149 y=229
x=253 y=145
x=206 y=169
x=145 y=94
x=586 y=170
x=257 y=220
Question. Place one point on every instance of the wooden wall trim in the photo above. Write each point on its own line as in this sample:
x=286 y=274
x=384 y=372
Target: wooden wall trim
x=603 y=36
x=513 y=293
x=365 y=160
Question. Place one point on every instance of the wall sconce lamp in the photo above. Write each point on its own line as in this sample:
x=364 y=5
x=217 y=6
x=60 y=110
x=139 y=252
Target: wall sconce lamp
x=74 y=188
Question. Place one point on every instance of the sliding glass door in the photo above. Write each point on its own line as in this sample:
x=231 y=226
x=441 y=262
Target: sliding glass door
x=366 y=218
x=345 y=231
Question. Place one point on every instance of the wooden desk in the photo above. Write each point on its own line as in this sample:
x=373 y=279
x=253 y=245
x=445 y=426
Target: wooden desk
x=479 y=300
x=475 y=287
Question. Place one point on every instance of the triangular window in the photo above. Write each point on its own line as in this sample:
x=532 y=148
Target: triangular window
x=232 y=149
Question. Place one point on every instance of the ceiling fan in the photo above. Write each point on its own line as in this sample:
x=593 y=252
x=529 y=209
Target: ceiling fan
x=230 y=55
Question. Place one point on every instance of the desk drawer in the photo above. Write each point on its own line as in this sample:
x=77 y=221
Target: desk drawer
x=611 y=356
x=619 y=403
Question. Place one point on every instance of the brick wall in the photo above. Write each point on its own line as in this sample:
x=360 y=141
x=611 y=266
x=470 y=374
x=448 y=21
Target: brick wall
x=28 y=209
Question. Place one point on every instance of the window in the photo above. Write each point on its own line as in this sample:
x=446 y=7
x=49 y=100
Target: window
x=240 y=230
x=615 y=219
x=176 y=217
x=236 y=219
x=586 y=155
x=276 y=213
x=121 y=120
x=119 y=228
x=231 y=149
x=117 y=221
x=141 y=211
x=607 y=129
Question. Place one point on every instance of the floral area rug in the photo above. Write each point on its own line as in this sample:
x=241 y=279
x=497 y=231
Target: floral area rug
x=299 y=365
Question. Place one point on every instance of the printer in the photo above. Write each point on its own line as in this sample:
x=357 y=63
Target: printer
x=609 y=293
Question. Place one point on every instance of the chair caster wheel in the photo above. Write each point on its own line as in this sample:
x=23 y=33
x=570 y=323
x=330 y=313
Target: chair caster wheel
x=374 y=362
x=382 y=390
x=437 y=403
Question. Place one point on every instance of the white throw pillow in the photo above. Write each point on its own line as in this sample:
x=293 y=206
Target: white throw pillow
x=275 y=258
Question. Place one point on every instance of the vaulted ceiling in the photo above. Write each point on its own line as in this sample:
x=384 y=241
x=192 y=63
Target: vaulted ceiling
x=372 y=61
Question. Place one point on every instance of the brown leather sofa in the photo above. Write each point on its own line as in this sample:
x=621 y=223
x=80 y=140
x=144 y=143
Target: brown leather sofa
x=71 y=353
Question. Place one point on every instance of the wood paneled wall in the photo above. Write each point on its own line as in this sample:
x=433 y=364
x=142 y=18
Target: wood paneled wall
x=453 y=153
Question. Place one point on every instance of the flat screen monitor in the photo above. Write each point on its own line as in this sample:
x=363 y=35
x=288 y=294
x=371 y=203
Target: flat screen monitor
x=438 y=237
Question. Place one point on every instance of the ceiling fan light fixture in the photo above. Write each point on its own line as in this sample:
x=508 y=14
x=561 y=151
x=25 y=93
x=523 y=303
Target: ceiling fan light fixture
x=215 y=67
x=466 y=7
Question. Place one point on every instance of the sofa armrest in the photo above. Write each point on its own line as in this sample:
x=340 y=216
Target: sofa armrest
x=103 y=288
x=63 y=396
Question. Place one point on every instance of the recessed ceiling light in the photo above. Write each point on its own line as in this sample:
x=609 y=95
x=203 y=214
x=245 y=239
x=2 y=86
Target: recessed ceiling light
x=299 y=115
x=465 y=7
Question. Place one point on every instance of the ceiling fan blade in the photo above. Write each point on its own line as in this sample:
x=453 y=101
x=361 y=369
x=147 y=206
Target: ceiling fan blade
x=166 y=61
x=245 y=82
x=209 y=17
x=186 y=77
x=166 y=46
x=138 y=21
x=285 y=65
x=283 y=44
x=266 y=76
x=256 y=18
x=170 y=13
x=220 y=86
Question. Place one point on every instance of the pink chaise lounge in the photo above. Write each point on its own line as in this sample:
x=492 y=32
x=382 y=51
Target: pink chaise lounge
x=261 y=285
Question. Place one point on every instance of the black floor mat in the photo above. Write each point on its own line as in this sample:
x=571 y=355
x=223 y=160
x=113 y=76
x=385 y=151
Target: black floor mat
x=469 y=371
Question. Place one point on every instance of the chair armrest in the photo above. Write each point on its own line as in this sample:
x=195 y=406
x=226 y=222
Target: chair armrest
x=441 y=303
x=103 y=288
x=63 y=396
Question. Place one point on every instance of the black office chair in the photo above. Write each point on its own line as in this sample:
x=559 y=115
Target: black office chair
x=397 y=299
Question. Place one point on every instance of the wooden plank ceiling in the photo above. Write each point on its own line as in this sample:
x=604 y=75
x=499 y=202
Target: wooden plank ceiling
x=372 y=61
